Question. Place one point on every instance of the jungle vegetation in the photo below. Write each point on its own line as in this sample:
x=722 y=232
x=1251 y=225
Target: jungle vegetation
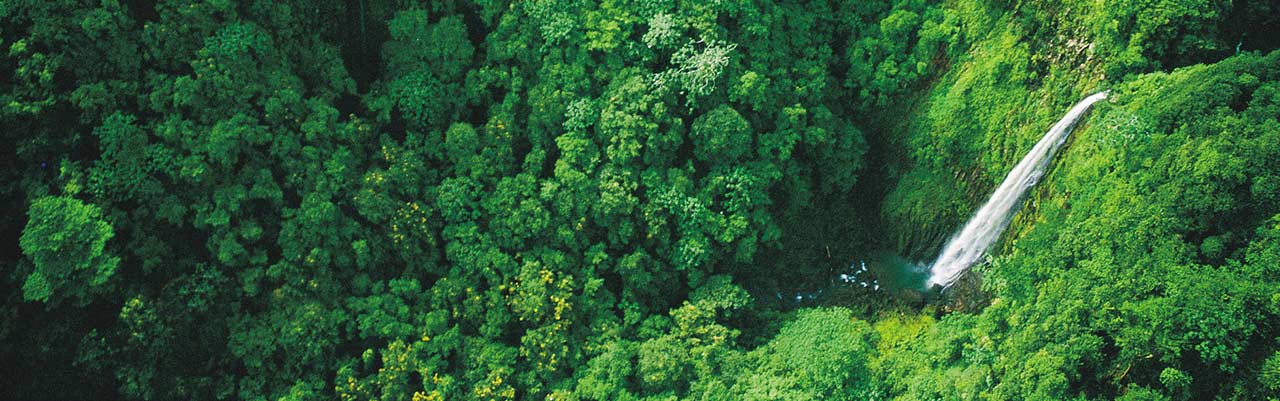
x=616 y=199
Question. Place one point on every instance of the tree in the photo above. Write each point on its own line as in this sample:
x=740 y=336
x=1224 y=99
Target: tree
x=66 y=241
x=721 y=136
x=697 y=66
x=822 y=354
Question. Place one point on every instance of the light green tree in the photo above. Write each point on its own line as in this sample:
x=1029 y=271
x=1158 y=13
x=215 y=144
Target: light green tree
x=66 y=242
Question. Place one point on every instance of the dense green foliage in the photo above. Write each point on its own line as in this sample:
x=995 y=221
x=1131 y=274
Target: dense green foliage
x=442 y=200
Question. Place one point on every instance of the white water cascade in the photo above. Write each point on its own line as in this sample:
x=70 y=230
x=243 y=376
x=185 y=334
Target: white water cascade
x=984 y=228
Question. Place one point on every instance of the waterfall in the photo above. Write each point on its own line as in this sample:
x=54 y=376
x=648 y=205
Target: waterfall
x=984 y=228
